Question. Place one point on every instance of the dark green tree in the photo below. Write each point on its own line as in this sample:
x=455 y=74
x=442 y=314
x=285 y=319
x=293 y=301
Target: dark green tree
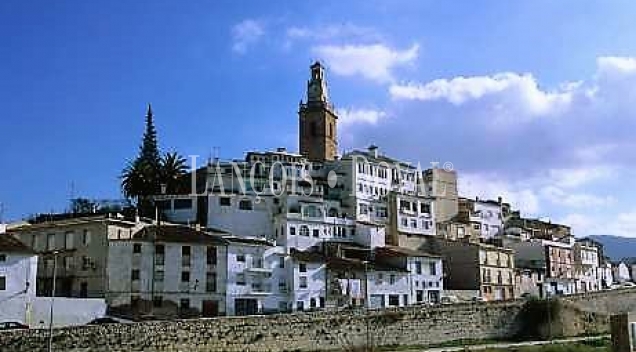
x=173 y=169
x=144 y=176
x=149 y=150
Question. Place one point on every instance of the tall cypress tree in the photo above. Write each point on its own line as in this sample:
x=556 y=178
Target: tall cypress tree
x=149 y=151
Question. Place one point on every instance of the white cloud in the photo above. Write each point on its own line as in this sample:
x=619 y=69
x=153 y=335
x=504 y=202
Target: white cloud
x=568 y=199
x=513 y=92
x=325 y=32
x=353 y=116
x=576 y=177
x=490 y=186
x=610 y=65
x=245 y=34
x=375 y=62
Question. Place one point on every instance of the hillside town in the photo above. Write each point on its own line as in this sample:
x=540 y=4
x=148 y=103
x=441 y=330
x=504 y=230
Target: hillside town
x=281 y=232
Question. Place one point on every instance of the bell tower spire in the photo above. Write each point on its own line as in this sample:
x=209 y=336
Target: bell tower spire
x=318 y=121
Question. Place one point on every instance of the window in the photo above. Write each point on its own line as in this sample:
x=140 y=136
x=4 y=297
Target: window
x=240 y=257
x=316 y=233
x=3 y=283
x=3 y=257
x=83 y=290
x=303 y=282
x=184 y=304
x=86 y=237
x=282 y=286
x=312 y=303
x=300 y=305
x=425 y=208
x=185 y=276
x=211 y=255
x=245 y=204
x=414 y=223
x=225 y=201
x=240 y=279
x=302 y=267
x=157 y=301
x=476 y=226
x=292 y=231
x=159 y=275
x=281 y=262
x=394 y=300
x=379 y=279
x=304 y=231
x=159 y=254
x=182 y=204
x=418 y=268
x=391 y=279
x=460 y=232
x=68 y=240
x=68 y=263
x=405 y=222
x=137 y=248
x=185 y=256
x=134 y=274
x=50 y=241
x=210 y=282
x=432 y=268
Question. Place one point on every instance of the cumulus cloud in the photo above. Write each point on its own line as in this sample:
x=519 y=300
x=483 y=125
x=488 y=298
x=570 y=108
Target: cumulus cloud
x=353 y=115
x=245 y=34
x=375 y=62
x=514 y=92
x=324 y=32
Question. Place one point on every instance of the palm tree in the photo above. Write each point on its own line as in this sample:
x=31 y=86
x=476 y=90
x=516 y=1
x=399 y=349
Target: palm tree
x=138 y=181
x=173 y=169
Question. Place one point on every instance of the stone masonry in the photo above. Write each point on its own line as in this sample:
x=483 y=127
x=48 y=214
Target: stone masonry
x=322 y=330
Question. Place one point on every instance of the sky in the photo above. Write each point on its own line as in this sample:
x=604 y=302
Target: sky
x=533 y=100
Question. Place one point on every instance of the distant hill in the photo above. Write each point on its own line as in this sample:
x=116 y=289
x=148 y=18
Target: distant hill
x=616 y=247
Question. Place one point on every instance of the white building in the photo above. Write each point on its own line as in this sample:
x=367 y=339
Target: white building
x=620 y=273
x=258 y=279
x=18 y=270
x=586 y=258
x=167 y=270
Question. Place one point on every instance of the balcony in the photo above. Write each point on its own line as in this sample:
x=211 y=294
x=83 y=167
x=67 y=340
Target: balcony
x=261 y=289
x=258 y=266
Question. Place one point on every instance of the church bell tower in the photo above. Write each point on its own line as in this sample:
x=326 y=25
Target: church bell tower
x=318 y=120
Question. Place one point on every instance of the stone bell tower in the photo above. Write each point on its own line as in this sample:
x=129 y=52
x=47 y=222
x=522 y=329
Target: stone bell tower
x=318 y=121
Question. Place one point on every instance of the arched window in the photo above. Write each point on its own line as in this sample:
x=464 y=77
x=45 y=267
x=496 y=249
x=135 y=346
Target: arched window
x=304 y=230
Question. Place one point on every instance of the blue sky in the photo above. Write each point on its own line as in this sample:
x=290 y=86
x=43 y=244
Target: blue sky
x=532 y=100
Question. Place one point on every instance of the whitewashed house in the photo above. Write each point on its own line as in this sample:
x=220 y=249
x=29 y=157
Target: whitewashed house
x=167 y=270
x=18 y=270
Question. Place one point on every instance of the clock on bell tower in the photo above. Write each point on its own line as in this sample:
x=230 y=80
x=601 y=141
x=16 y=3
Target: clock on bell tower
x=318 y=121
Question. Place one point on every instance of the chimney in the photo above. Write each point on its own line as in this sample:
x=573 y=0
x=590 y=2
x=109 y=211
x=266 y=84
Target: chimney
x=499 y=200
x=373 y=151
x=281 y=149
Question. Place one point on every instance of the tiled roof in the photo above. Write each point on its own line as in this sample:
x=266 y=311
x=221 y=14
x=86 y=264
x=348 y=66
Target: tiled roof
x=9 y=243
x=342 y=263
x=248 y=240
x=394 y=251
x=178 y=234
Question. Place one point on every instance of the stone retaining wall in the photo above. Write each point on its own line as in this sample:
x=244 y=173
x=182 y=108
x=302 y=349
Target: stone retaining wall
x=322 y=330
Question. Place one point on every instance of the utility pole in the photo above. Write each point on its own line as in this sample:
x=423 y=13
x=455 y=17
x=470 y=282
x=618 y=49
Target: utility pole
x=50 y=345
